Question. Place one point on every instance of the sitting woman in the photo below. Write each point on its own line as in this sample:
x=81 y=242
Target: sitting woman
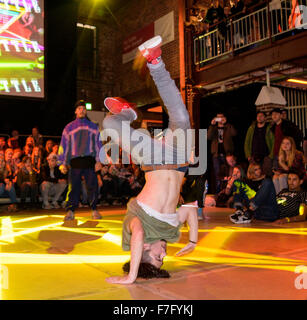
x=225 y=197
x=27 y=182
x=288 y=159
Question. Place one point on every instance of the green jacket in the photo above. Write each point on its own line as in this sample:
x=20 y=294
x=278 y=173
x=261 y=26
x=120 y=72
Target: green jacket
x=269 y=139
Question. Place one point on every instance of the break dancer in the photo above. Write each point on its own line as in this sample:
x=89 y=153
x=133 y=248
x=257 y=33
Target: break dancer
x=151 y=219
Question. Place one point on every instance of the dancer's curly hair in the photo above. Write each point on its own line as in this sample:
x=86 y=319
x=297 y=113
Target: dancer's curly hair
x=147 y=271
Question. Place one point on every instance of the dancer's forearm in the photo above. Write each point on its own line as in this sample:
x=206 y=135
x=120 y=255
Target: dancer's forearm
x=136 y=245
x=192 y=221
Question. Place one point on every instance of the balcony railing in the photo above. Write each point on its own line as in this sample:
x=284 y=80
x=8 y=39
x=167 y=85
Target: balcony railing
x=230 y=36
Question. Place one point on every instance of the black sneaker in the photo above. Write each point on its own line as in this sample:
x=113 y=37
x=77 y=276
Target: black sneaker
x=245 y=218
x=235 y=216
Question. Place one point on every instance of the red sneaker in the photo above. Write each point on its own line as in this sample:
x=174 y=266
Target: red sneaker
x=116 y=105
x=151 y=49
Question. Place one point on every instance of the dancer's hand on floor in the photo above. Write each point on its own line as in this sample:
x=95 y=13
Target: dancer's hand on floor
x=120 y=280
x=185 y=250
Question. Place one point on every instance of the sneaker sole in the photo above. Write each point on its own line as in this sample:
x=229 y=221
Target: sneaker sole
x=242 y=222
x=117 y=110
x=151 y=43
x=96 y=218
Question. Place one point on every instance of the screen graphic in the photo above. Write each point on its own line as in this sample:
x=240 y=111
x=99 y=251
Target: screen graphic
x=22 y=48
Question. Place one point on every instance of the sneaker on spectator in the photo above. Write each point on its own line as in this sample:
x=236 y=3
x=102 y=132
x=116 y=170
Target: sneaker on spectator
x=70 y=215
x=151 y=50
x=235 y=216
x=116 y=105
x=55 y=205
x=96 y=215
x=246 y=217
x=47 y=206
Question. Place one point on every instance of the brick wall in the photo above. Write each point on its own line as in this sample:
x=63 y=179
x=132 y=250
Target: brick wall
x=132 y=85
x=119 y=79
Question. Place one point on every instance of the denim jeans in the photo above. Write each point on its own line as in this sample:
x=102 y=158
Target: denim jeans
x=10 y=193
x=74 y=189
x=217 y=162
x=157 y=152
x=264 y=202
x=54 y=190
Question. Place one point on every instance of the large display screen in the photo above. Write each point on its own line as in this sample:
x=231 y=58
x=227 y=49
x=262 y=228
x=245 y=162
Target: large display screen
x=22 y=48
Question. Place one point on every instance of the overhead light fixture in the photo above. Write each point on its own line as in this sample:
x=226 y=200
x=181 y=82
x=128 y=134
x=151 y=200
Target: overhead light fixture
x=297 y=81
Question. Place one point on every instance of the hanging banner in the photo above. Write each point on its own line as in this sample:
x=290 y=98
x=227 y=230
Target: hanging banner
x=163 y=27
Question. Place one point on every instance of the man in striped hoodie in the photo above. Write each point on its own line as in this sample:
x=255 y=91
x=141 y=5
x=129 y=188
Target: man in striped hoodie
x=79 y=152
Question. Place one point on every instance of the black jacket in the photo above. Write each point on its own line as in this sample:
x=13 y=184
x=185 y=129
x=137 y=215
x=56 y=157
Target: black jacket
x=289 y=129
x=45 y=174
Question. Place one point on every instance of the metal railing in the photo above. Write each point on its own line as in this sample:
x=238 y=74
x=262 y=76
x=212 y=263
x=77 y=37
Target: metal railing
x=235 y=34
x=296 y=107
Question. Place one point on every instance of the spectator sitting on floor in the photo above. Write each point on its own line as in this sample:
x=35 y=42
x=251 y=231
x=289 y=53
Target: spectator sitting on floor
x=27 y=150
x=114 y=171
x=27 y=182
x=37 y=137
x=288 y=159
x=137 y=181
x=228 y=193
x=17 y=157
x=30 y=142
x=108 y=189
x=292 y=202
x=6 y=185
x=11 y=164
x=55 y=148
x=54 y=182
x=124 y=188
x=225 y=174
x=3 y=145
x=226 y=170
x=47 y=150
x=260 y=201
x=36 y=159
x=14 y=142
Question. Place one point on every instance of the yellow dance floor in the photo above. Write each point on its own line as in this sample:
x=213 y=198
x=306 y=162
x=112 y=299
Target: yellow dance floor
x=41 y=258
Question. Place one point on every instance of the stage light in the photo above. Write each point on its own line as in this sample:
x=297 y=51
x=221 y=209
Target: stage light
x=28 y=231
x=88 y=106
x=29 y=219
x=31 y=258
x=297 y=81
x=7 y=230
x=116 y=239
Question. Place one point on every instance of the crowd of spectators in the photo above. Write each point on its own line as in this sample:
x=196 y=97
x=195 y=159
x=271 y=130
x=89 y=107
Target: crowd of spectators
x=30 y=175
x=242 y=32
x=220 y=12
x=274 y=158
